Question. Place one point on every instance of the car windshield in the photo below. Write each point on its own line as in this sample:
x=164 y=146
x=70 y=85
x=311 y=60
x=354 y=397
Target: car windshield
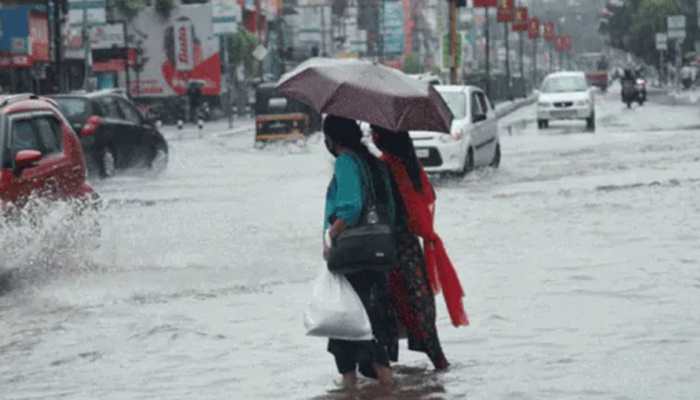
x=565 y=84
x=73 y=107
x=562 y=84
x=457 y=102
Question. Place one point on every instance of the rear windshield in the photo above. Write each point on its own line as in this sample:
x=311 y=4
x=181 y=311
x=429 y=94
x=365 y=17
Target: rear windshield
x=74 y=108
x=457 y=102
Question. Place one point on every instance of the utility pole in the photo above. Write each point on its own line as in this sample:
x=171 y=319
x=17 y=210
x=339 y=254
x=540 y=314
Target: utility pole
x=487 y=34
x=126 y=58
x=86 y=47
x=227 y=73
x=534 y=62
x=57 y=45
x=508 y=76
x=522 y=62
x=453 y=41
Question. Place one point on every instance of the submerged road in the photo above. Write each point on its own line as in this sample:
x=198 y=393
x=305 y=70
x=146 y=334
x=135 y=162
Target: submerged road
x=579 y=257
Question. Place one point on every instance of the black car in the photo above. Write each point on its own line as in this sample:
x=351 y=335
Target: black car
x=113 y=133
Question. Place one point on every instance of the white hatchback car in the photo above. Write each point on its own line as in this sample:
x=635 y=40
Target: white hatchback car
x=473 y=141
x=565 y=96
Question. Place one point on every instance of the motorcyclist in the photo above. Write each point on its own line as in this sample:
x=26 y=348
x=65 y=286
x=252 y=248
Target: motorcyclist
x=629 y=90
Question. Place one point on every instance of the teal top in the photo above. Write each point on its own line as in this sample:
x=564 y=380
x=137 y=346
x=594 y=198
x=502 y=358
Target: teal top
x=344 y=194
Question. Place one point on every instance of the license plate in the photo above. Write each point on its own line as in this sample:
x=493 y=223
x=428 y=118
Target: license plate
x=422 y=153
x=564 y=114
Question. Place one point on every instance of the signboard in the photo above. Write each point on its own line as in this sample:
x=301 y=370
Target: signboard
x=393 y=28
x=162 y=73
x=184 y=57
x=549 y=32
x=506 y=11
x=485 y=3
x=661 y=42
x=94 y=9
x=225 y=16
x=533 y=30
x=675 y=24
x=107 y=36
x=520 y=19
x=260 y=52
x=39 y=36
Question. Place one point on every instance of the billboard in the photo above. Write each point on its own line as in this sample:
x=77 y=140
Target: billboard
x=393 y=28
x=176 y=50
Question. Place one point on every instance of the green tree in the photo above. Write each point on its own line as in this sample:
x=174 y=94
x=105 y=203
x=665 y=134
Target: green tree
x=240 y=55
x=412 y=65
x=128 y=8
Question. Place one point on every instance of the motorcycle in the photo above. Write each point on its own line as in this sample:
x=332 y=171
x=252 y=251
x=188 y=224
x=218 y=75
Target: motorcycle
x=629 y=92
x=687 y=83
x=641 y=87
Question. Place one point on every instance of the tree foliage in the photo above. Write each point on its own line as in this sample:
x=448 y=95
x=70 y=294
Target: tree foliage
x=129 y=8
x=240 y=50
x=633 y=26
x=412 y=64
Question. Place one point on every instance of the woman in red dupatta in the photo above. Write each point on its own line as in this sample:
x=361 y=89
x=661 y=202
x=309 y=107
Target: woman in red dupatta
x=421 y=273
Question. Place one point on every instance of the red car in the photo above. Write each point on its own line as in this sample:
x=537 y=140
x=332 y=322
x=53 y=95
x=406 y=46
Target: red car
x=39 y=153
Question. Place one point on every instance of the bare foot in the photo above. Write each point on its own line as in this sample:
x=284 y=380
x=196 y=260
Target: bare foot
x=384 y=375
x=349 y=381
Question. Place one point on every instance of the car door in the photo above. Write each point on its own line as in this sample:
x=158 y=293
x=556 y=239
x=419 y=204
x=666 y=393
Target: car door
x=39 y=179
x=478 y=117
x=489 y=127
x=140 y=135
x=66 y=172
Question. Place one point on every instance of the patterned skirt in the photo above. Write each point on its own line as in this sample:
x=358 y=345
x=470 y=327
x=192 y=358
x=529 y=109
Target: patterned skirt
x=413 y=299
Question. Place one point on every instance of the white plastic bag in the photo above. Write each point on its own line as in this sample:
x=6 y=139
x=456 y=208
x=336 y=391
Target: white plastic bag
x=335 y=310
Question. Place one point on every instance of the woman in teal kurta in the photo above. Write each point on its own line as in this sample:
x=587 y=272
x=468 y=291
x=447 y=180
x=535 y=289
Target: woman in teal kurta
x=344 y=204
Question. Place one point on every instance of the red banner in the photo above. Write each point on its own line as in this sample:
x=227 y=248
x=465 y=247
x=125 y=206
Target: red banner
x=506 y=11
x=533 y=28
x=485 y=3
x=549 y=32
x=563 y=43
x=520 y=20
x=39 y=34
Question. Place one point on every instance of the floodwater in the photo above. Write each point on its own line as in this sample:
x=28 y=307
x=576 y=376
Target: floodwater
x=579 y=257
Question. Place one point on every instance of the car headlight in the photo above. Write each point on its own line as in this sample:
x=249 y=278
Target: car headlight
x=447 y=138
x=582 y=103
x=544 y=104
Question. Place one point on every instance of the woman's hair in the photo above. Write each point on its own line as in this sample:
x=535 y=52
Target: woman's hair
x=399 y=144
x=344 y=132
x=347 y=133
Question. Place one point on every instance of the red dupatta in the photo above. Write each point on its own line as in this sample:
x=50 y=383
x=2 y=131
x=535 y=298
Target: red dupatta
x=420 y=210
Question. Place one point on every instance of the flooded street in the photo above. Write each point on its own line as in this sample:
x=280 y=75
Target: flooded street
x=579 y=257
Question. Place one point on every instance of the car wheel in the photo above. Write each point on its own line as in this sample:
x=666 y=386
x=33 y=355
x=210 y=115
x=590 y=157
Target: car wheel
x=496 y=157
x=160 y=160
x=108 y=163
x=468 y=163
x=590 y=123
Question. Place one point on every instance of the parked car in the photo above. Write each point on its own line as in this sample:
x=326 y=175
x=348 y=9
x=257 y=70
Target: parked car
x=113 y=132
x=565 y=96
x=474 y=140
x=40 y=154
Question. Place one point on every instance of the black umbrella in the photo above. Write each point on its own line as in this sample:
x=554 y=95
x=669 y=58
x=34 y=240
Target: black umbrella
x=367 y=92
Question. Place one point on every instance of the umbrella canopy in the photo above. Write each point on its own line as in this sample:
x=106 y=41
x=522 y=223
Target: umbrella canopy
x=368 y=92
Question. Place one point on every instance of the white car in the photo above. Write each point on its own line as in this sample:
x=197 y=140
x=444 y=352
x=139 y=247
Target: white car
x=473 y=141
x=565 y=96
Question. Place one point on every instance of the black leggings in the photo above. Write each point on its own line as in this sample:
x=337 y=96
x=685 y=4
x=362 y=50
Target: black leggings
x=372 y=288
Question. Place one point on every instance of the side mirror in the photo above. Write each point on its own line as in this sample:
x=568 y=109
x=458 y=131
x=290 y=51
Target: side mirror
x=26 y=159
x=478 y=118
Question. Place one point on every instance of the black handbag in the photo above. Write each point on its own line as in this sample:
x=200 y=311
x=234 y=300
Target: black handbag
x=370 y=244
